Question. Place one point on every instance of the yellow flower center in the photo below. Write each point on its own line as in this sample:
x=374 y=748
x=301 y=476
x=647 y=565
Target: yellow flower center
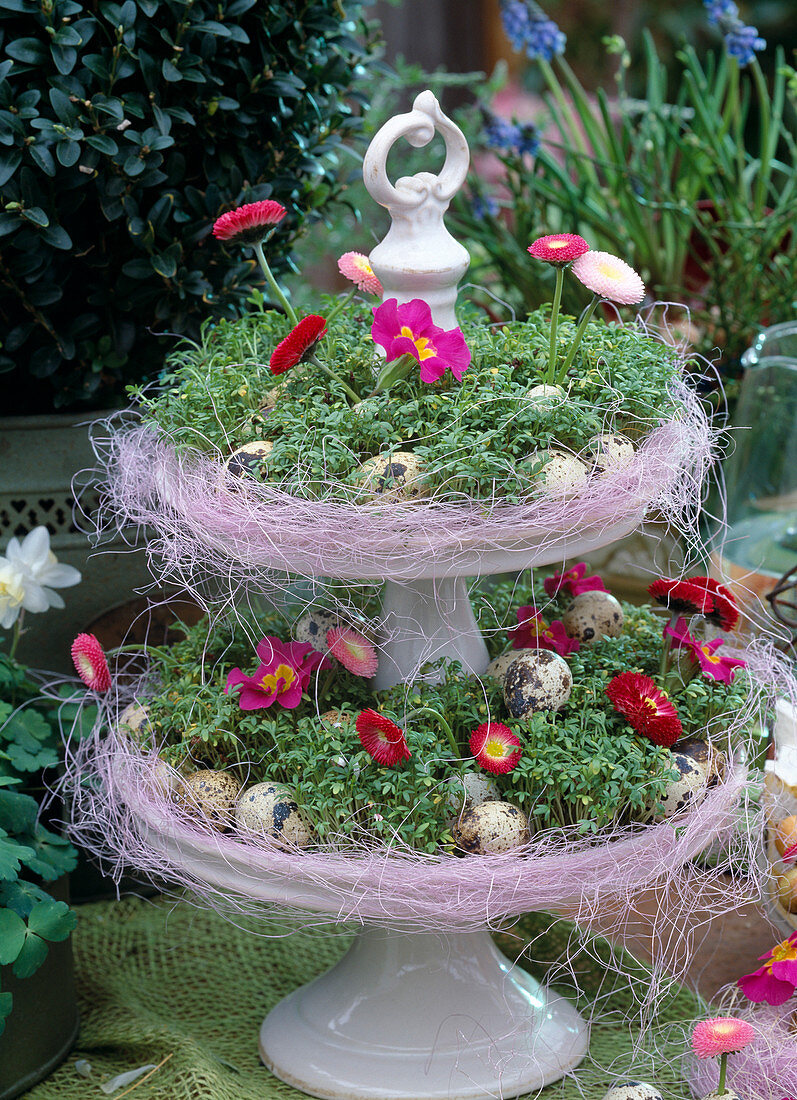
x=709 y=655
x=425 y=349
x=495 y=749
x=608 y=269
x=362 y=265
x=783 y=952
x=557 y=244
x=280 y=680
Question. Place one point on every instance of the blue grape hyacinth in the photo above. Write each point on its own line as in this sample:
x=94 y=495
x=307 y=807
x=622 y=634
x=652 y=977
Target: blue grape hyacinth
x=530 y=30
x=511 y=137
x=742 y=42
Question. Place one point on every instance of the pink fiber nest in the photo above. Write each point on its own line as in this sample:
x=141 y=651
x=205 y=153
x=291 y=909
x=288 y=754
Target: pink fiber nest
x=207 y=524
x=765 y=1070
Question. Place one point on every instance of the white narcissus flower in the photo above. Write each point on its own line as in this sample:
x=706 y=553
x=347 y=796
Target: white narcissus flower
x=35 y=568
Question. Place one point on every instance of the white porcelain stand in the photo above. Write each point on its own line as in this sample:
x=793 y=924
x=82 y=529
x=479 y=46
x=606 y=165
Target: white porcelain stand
x=420 y=1016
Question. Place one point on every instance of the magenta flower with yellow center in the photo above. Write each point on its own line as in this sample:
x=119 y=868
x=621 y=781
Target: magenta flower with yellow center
x=609 y=277
x=251 y=223
x=558 y=248
x=775 y=982
x=90 y=663
x=712 y=664
x=282 y=676
x=408 y=329
x=356 y=266
x=353 y=650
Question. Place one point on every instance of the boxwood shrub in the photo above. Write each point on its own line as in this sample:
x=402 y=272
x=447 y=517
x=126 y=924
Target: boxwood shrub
x=125 y=130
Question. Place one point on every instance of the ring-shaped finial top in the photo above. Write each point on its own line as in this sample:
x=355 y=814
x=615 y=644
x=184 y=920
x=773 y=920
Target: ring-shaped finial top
x=418 y=127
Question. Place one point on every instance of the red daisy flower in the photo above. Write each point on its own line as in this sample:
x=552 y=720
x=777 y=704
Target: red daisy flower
x=558 y=248
x=683 y=597
x=495 y=747
x=252 y=223
x=645 y=707
x=298 y=344
x=725 y=613
x=381 y=738
x=90 y=662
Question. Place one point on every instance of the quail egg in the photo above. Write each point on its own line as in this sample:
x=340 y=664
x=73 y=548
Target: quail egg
x=633 y=1090
x=562 y=475
x=213 y=795
x=537 y=680
x=313 y=627
x=398 y=476
x=592 y=616
x=727 y=1094
x=785 y=833
x=786 y=886
x=338 y=720
x=166 y=780
x=609 y=452
x=271 y=810
x=496 y=669
x=132 y=720
x=470 y=789
x=491 y=828
x=545 y=397
x=687 y=789
x=710 y=759
x=250 y=460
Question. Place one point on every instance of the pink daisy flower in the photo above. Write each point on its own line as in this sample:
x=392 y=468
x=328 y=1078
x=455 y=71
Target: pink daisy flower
x=704 y=654
x=776 y=981
x=721 y=1035
x=408 y=329
x=574 y=581
x=282 y=676
x=495 y=747
x=298 y=344
x=558 y=248
x=356 y=267
x=381 y=738
x=353 y=651
x=252 y=223
x=90 y=662
x=609 y=277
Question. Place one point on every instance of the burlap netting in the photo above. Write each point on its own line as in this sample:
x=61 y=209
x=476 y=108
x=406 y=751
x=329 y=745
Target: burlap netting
x=156 y=980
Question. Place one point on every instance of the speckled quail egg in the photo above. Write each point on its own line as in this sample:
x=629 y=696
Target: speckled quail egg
x=562 y=475
x=708 y=756
x=133 y=719
x=313 y=627
x=338 y=720
x=536 y=681
x=397 y=476
x=491 y=828
x=608 y=453
x=250 y=460
x=470 y=789
x=271 y=810
x=727 y=1094
x=213 y=795
x=545 y=397
x=592 y=616
x=496 y=669
x=633 y=1090
x=687 y=789
x=786 y=886
x=166 y=780
x=784 y=833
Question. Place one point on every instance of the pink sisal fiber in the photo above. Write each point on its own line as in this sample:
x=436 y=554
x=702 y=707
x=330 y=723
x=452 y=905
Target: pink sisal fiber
x=203 y=523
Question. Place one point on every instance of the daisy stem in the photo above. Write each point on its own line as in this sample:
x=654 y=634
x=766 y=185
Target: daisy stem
x=331 y=374
x=666 y=649
x=330 y=676
x=723 y=1068
x=342 y=303
x=585 y=316
x=451 y=739
x=272 y=282
x=557 y=298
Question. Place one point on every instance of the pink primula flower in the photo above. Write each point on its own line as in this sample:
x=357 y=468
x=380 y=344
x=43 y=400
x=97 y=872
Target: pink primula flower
x=574 y=581
x=776 y=981
x=408 y=329
x=704 y=653
x=533 y=632
x=283 y=674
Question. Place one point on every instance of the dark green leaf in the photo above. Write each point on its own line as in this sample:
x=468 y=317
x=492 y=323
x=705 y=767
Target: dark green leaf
x=9 y=162
x=12 y=936
x=103 y=144
x=165 y=265
x=42 y=156
x=21 y=896
x=68 y=153
x=31 y=956
x=52 y=920
x=11 y=855
x=30 y=51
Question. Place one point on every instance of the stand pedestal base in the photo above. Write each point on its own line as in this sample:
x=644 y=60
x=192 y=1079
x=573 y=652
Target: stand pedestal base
x=419 y=1016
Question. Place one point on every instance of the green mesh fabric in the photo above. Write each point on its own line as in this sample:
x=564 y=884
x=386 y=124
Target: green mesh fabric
x=157 y=979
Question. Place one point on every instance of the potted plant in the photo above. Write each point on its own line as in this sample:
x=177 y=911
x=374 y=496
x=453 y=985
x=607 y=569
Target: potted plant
x=36 y=977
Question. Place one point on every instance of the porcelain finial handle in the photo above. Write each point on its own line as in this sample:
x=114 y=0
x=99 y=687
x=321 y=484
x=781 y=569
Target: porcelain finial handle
x=418 y=127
